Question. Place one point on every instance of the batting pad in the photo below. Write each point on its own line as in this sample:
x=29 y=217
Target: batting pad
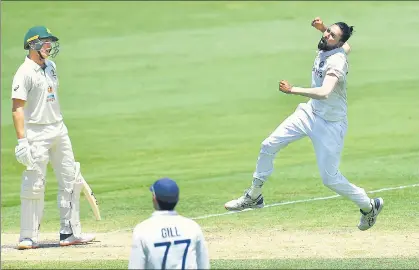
x=32 y=204
x=69 y=203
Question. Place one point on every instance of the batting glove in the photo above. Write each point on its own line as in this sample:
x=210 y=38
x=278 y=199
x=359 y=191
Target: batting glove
x=23 y=152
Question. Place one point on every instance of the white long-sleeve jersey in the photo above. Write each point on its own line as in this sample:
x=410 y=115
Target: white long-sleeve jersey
x=167 y=240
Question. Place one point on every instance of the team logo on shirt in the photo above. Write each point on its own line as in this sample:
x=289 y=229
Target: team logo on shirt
x=15 y=89
x=51 y=96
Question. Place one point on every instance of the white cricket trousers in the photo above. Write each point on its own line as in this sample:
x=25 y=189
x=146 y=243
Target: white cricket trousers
x=327 y=138
x=49 y=143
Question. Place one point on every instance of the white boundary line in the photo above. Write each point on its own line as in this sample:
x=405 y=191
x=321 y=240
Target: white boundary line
x=282 y=203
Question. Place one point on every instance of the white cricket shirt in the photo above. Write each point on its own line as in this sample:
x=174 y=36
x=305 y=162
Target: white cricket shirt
x=38 y=87
x=167 y=240
x=334 y=108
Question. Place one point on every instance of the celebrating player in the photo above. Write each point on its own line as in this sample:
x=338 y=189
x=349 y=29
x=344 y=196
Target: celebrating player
x=323 y=119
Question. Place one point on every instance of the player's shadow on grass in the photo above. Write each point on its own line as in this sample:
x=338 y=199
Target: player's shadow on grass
x=57 y=245
x=50 y=244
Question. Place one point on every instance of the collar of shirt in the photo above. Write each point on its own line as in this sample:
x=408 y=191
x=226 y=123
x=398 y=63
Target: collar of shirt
x=164 y=213
x=32 y=64
x=329 y=53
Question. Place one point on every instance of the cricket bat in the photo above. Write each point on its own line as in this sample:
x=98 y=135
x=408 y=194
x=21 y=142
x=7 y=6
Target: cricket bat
x=90 y=196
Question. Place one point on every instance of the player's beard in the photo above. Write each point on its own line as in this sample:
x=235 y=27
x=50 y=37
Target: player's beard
x=323 y=46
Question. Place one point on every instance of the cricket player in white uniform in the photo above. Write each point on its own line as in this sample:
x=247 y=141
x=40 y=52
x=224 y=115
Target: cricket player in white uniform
x=43 y=137
x=324 y=120
x=168 y=240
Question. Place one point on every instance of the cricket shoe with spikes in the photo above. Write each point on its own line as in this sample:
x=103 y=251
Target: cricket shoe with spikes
x=70 y=239
x=244 y=202
x=368 y=219
x=27 y=243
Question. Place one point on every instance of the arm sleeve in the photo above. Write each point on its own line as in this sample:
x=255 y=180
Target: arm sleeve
x=338 y=66
x=137 y=258
x=203 y=261
x=21 y=86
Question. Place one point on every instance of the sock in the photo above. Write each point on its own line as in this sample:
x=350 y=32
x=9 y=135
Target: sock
x=256 y=188
x=367 y=210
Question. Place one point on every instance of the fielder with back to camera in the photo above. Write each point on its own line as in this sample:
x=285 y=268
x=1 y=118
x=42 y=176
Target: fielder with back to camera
x=43 y=137
x=168 y=240
x=323 y=119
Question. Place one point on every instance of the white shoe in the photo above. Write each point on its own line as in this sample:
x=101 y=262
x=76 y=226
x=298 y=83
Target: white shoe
x=70 y=239
x=244 y=202
x=27 y=243
x=368 y=219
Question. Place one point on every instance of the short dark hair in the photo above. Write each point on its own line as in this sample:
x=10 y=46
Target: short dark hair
x=166 y=205
x=346 y=31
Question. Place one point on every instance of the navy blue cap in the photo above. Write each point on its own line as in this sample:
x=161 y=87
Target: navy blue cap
x=165 y=190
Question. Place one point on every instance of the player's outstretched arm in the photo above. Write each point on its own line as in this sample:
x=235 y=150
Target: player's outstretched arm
x=321 y=92
x=319 y=25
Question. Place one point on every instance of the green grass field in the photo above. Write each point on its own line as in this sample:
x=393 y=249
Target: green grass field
x=189 y=90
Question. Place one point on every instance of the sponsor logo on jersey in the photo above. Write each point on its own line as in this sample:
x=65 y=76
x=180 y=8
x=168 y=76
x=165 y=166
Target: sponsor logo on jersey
x=317 y=71
x=51 y=98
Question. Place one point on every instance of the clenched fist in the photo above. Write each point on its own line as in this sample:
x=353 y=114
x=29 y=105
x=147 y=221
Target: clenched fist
x=318 y=24
x=285 y=86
